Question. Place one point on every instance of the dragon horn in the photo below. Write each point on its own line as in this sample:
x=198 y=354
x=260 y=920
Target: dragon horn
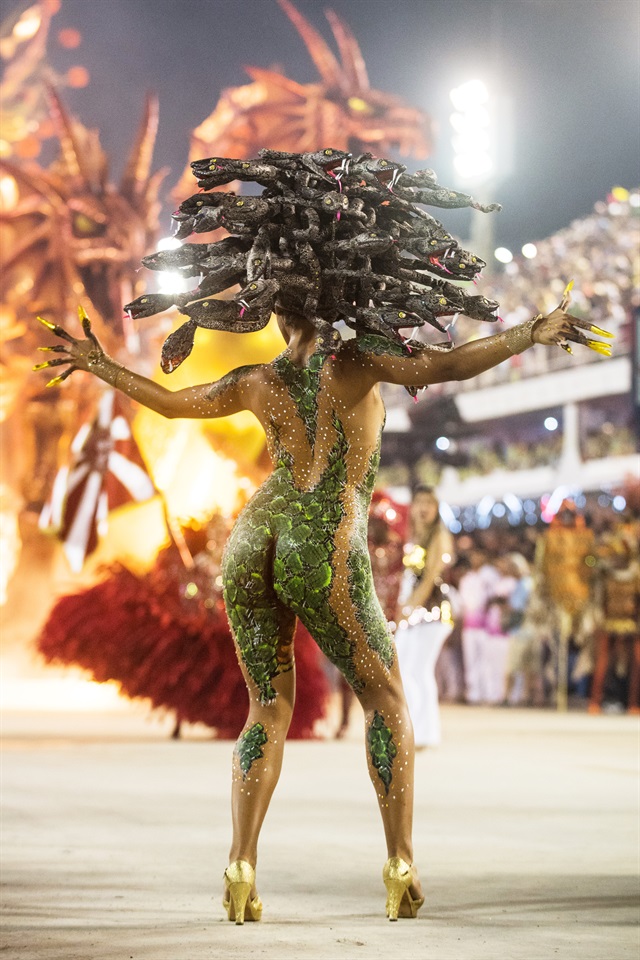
x=352 y=60
x=328 y=66
x=136 y=174
x=63 y=124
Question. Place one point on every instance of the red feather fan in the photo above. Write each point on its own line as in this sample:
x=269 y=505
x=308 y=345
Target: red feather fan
x=164 y=636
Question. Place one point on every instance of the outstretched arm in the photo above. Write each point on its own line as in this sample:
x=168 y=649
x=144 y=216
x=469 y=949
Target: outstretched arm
x=206 y=400
x=436 y=365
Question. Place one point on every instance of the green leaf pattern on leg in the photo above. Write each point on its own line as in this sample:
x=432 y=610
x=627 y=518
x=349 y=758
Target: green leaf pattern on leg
x=249 y=747
x=381 y=748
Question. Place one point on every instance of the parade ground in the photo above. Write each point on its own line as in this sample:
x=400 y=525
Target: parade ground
x=115 y=838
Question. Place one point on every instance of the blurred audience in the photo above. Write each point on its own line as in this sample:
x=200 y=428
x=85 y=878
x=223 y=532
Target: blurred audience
x=535 y=608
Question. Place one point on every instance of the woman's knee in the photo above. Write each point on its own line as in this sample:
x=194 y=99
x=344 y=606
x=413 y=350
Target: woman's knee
x=386 y=697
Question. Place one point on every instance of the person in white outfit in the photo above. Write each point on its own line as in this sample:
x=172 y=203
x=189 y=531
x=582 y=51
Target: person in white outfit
x=477 y=586
x=424 y=613
x=498 y=622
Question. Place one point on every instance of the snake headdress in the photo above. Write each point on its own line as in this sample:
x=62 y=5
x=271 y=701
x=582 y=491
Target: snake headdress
x=331 y=237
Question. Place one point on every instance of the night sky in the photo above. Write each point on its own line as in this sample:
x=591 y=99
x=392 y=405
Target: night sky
x=569 y=66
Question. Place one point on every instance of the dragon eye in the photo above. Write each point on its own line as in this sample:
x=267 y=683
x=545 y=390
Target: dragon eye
x=383 y=163
x=442 y=301
x=240 y=203
x=84 y=226
x=199 y=203
x=145 y=300
x=473 y=260
x=328 y=153
x=462 y=266
x=206 y=303
x=328 y=201
x=401 y=315
x=432 y=243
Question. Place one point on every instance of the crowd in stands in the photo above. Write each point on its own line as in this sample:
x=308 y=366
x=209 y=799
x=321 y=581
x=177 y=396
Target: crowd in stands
x=525 y=597
x=516 y=591
x=600 y=254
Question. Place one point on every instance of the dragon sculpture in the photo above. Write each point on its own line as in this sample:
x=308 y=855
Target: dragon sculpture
x=341 y=108
x=73 y=236
x=69 y=235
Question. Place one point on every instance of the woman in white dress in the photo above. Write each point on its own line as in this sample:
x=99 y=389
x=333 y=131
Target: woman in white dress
x=424 y=613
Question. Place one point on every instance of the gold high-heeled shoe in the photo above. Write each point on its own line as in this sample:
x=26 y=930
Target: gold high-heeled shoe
x=398 y=876
x=240 y=877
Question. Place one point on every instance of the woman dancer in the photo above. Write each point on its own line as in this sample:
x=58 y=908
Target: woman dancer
x=299 y=548
x=424 y=615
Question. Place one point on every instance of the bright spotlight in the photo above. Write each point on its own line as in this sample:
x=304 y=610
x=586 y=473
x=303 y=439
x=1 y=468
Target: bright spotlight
x=443 y=443
x=619 y=502
x=168 y=243
x=472 y=164
x=503 y=255
x=471 y=93
x=529 y=251
x=551 y=423
x=471 y=142
x=169 y=281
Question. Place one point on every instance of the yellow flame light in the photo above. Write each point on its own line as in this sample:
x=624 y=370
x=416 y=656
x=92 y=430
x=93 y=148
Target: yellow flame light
x=195 y=480
x=28 y=24
x=8 y=193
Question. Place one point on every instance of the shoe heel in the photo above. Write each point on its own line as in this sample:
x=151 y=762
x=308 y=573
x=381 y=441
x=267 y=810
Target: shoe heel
x=396 y=889
x=238 y=894
x=239 y=876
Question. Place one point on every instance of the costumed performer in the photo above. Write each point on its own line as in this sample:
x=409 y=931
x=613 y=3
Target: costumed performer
x=424 y=613
x=323 y=243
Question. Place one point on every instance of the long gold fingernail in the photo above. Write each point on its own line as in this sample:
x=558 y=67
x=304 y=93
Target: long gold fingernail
x=55 y=381
x=600 y=331
x=568 y=288
x=40 y=366
x=82 y=313
x=47 y=323
x=603 y=348
x=565 y=346
x=47 y=349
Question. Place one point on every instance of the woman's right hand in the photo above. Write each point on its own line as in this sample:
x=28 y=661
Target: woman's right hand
x=79 y=354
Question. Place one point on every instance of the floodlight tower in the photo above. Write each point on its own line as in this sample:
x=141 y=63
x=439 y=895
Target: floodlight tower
x=474 y=133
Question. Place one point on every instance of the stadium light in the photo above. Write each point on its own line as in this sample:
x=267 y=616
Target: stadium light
x=471 y=123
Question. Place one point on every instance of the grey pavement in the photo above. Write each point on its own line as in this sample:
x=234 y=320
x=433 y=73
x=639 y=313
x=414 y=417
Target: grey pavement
x=115 y=839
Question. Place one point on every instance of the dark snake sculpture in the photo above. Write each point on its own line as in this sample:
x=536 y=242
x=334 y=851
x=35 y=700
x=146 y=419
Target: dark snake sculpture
x=331 y=237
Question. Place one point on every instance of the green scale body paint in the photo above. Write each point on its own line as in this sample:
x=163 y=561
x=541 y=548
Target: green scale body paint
x=249 y=747
x=280 y=555
x=381 y=748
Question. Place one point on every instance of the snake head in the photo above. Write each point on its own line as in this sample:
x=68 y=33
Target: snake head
x=385 y=171
x=258 y=292
x=149 y=304
x=245 y=211
x=327 y=159
x=334 y=203
x=198 y=202
x=397 y=319
x=480 y=308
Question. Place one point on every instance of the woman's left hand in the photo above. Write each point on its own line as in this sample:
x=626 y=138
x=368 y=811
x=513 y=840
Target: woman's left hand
x=559 y=327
